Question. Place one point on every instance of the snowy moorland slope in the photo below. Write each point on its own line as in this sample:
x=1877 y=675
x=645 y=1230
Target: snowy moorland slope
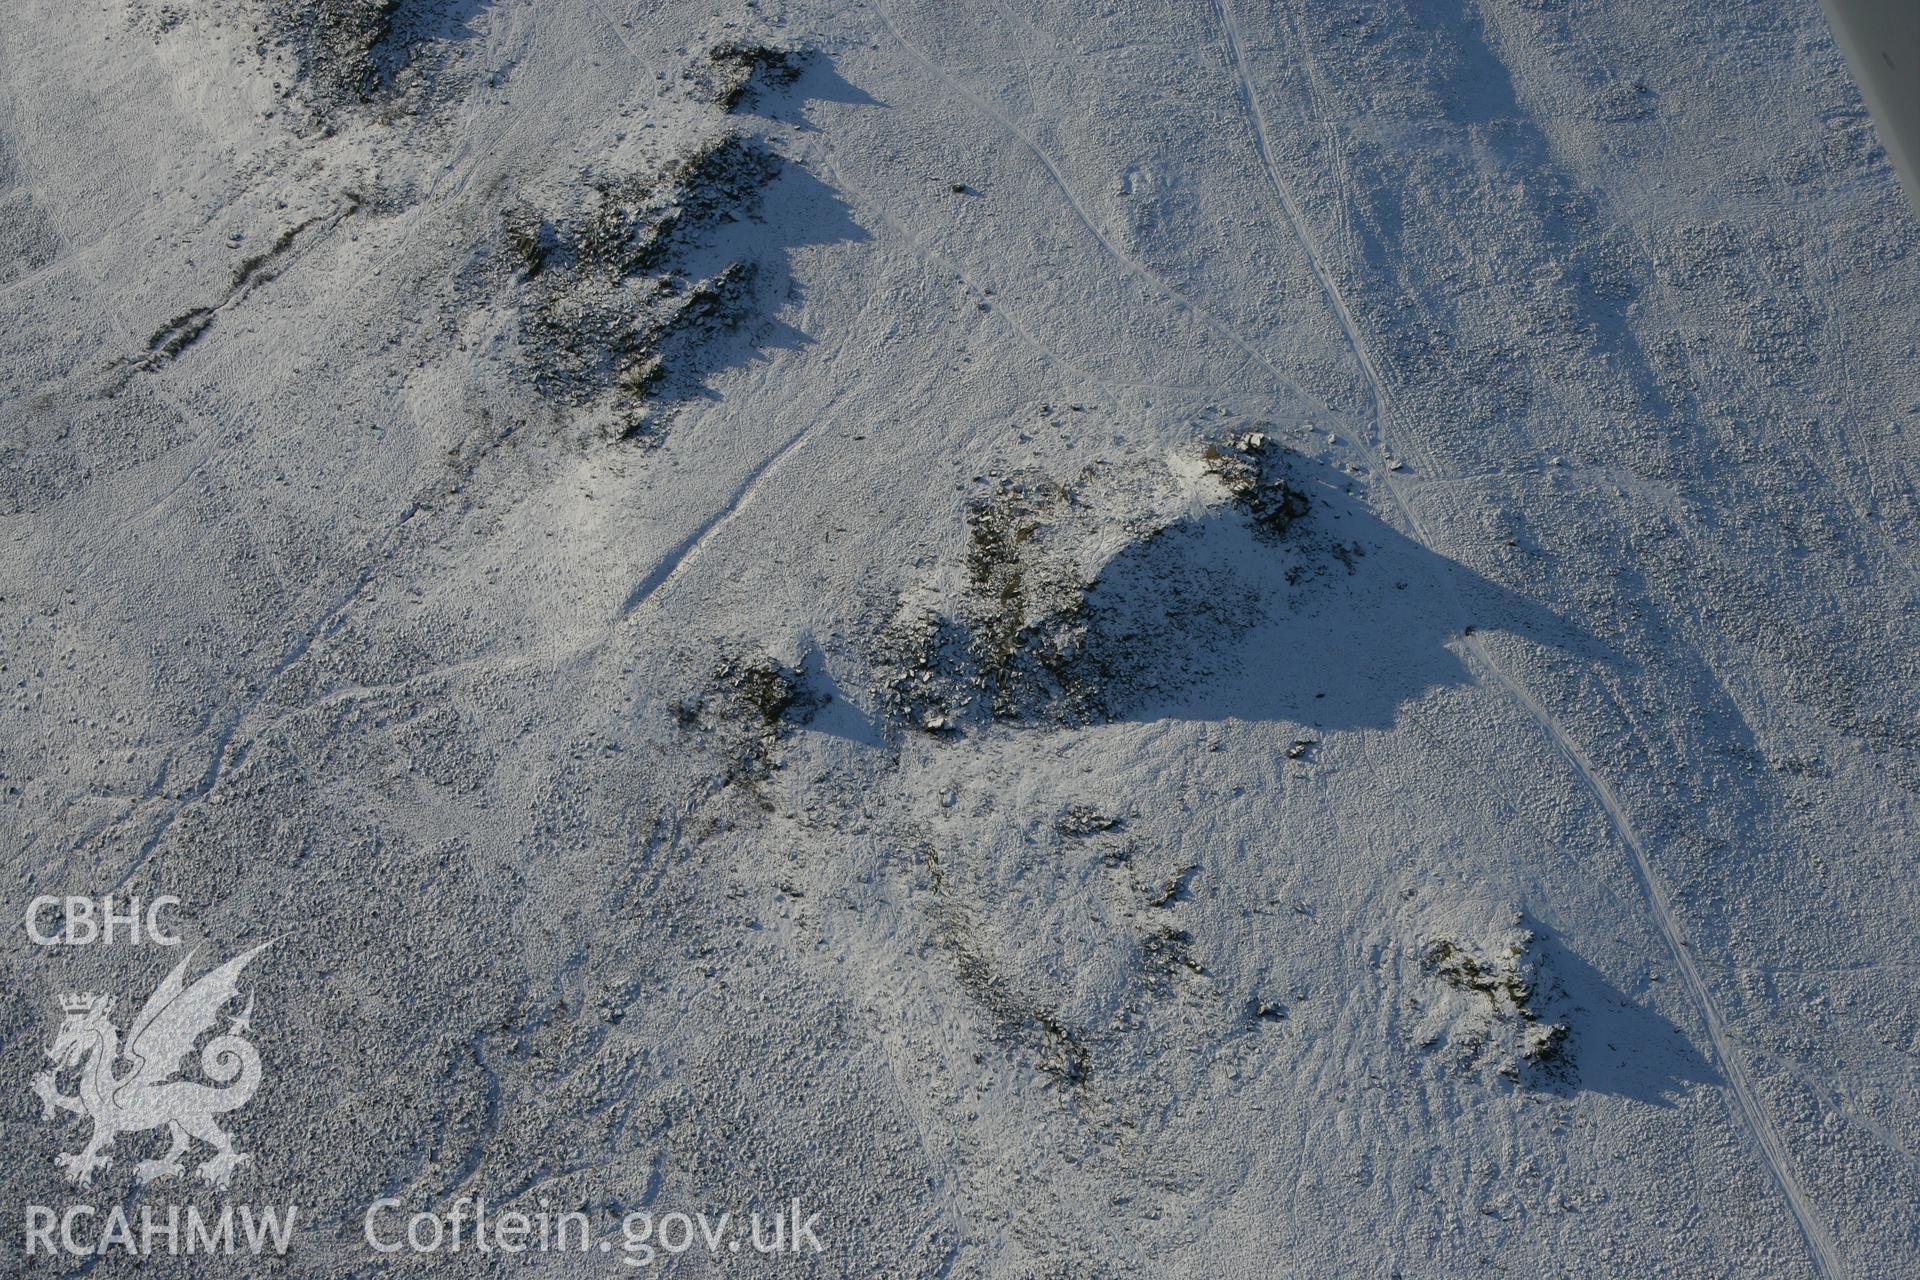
x=1098 y=640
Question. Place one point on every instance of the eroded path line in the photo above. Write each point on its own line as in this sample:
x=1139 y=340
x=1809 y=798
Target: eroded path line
x=1753 y=1115
x=688 y=547
x=1766 y=1135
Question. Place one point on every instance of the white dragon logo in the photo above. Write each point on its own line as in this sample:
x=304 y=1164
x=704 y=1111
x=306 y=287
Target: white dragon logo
x=145 y=1095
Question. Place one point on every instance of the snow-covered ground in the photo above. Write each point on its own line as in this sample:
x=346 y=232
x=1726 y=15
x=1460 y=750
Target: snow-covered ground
x=1100 y=640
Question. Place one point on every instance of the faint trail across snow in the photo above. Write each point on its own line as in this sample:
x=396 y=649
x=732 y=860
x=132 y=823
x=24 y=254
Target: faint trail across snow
x=1132 y=265
x=235 y=723
x=1376 y=386
x=1001 y=312
x=1766 y=1136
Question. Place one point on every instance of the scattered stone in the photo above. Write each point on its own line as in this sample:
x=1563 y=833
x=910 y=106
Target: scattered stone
x=1079 y=820
x=609 y=323
x=750 y=706
x=1254 y=473
x=1491 y=1015
x=738 y=68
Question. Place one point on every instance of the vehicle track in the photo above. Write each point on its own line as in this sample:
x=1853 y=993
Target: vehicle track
x=1753 y=1114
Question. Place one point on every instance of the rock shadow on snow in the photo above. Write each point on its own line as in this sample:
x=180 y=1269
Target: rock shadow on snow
x=637 y=287
x=1620 y=1045
x=818 y=80
x=798 y=211
x=1345 y=621
x=1242 y=582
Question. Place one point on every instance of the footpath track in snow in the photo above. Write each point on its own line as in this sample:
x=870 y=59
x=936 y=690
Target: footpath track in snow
x=1753 y=1115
